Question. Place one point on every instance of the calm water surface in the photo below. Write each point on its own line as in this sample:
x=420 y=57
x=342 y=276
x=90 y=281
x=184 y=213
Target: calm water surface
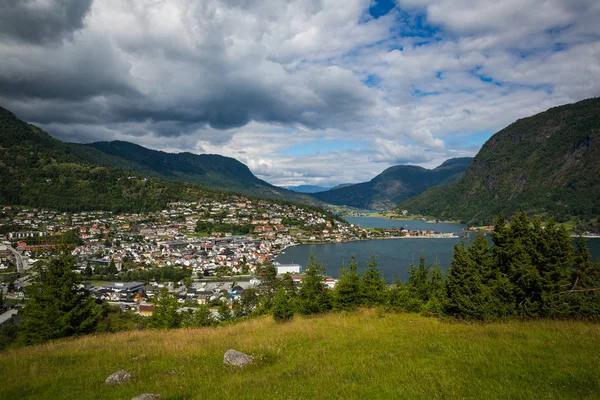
x=394 y=255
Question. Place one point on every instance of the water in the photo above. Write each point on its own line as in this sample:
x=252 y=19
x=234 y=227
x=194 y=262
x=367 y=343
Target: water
x=374 y=222
x=394 y=255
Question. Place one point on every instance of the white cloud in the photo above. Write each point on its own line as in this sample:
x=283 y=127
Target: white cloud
x=253 y=79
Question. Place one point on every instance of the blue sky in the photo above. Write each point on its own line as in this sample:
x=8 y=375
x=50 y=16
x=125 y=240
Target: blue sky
x=303 y=92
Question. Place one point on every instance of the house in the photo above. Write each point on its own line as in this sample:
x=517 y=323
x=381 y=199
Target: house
x=146 y=309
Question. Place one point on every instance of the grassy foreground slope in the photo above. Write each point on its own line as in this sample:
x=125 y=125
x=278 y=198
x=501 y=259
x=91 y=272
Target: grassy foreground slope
x=366 y=354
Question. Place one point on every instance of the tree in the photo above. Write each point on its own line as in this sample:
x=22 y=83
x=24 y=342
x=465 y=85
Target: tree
x=224 y=311
x=283 y=309
x=58 y=305
x=583 y=295
x=373 y=285
x=165 y=315
x=471 y=284
x=347 y=294
x=313 y=296
x=269 y=285
x=88 y=271
x=198 y=318
x=246 y=303
x=112 y=268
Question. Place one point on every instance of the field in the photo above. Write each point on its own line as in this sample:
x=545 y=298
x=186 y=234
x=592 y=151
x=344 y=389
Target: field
x=366 y=354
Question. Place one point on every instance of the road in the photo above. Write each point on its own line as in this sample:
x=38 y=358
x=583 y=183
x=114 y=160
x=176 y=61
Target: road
x=21 y=263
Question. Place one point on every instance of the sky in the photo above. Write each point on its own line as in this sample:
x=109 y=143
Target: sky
x=316 y=92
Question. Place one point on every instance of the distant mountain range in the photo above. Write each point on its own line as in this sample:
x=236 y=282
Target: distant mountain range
x=307 y=188
x=394 y=185
x=38 y=170
x=546 y=165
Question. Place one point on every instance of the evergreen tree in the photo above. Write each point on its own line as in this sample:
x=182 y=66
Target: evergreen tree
x=269 y=286
x=88 y=271
x=347 y=294
x=472 y=286
x=165 y=315
x=283 y=309
x=287 y=283
x=58 y=306
x=373 y=284
x=313 y=296
x=418 y=281
x=583 y=295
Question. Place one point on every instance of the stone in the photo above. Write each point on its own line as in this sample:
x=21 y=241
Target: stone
x=119 y=377
x=147 y=396
x=237 y=358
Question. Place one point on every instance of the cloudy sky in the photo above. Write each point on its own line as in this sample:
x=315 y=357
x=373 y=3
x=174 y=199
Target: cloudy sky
x=303 y=92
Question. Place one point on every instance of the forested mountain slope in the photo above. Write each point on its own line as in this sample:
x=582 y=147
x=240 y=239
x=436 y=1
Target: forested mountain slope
x=547 y=165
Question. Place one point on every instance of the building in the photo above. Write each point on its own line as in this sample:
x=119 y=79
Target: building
x=291 y=268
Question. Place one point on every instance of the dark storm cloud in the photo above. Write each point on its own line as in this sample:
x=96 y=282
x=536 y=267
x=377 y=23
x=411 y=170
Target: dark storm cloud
x=41 y=22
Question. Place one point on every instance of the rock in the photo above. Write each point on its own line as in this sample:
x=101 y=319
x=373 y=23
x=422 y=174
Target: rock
x=119 y=377
x=239 y=359
x=147 y=396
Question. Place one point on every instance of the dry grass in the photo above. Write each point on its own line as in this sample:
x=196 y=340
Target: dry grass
x=367 y=354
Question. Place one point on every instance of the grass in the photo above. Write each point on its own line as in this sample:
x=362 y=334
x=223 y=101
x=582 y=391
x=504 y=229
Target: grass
x=366 y=354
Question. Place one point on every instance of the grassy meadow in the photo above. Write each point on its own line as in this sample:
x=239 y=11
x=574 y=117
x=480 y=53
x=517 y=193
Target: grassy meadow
x=365 y=354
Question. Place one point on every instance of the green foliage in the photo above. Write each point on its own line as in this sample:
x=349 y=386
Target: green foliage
x=200 y=317
x=225 y=313
x=348 y=291
x=283 y=308
x=115 y=320
x=313 y=296
x=372 y=286
x=57 y=305
x=165 y=315
x=546 y=165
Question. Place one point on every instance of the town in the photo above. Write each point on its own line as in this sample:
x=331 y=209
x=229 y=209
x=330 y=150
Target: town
x=204 y=252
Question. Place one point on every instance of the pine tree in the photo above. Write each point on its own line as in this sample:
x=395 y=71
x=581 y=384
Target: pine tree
x=283 y=309
x=583 y=295
x=373 y=284
x=313 y=296
x=348 y=291
x=165 y=315
x=58 y=306
x=269 y=286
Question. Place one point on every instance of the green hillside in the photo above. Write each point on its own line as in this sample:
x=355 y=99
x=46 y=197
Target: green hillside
x=40 y=171
x=394 y=185
x=547 y=165
x=212 y=170
x=360 y=355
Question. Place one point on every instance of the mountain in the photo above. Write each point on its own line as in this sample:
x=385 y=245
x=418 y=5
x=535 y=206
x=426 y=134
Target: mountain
x=307 y=188
x=546 y=165
x=341 y=185
x=40 y=171
x=212 y=170
x=394 y=185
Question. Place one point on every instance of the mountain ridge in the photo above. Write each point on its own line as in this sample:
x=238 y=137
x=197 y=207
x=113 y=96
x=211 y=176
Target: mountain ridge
x=394 y=185
x=41 y=171
x=545 y=164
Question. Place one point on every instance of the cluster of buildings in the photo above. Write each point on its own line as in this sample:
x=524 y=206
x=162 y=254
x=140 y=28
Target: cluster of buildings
x=169 y=238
